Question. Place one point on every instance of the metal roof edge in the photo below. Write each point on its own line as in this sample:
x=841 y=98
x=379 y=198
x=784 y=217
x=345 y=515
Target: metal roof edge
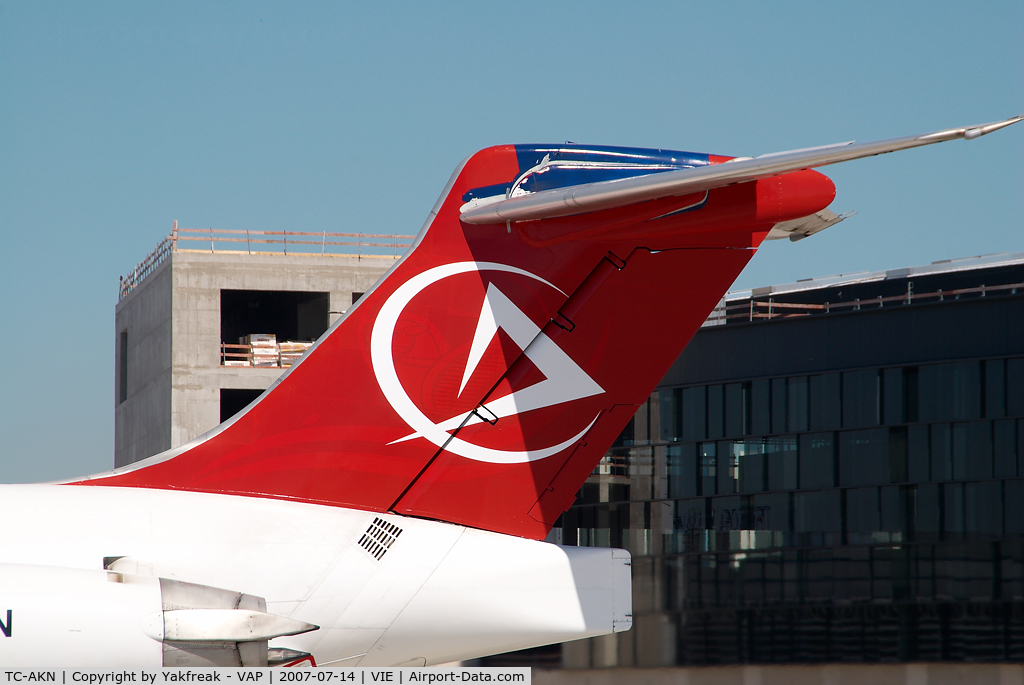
x=939 y=267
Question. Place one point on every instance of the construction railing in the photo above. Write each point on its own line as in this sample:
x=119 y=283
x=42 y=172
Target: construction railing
x=145 y=268
x=360 y=245
x=234 y=241
x=756 y=310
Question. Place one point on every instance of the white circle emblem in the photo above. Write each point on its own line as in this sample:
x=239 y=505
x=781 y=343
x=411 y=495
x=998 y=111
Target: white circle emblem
x=383 y=361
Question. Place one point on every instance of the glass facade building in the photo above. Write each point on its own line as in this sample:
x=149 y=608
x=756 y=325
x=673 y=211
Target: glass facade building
x=833 y=473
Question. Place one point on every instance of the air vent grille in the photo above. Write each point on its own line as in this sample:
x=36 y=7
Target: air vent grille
x=379 y=537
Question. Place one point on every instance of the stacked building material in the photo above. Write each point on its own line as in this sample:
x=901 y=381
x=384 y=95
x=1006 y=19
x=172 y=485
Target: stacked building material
x=292 y=351
x=264 y=348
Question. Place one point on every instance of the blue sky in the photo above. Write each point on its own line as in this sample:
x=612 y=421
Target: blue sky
x=118 y=118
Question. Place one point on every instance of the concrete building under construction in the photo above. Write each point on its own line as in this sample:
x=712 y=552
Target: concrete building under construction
x=182 y=361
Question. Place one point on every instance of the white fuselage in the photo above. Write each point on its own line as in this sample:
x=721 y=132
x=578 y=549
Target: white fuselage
x=438 y=593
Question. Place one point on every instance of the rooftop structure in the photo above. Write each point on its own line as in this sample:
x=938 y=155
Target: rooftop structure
x=939 y=281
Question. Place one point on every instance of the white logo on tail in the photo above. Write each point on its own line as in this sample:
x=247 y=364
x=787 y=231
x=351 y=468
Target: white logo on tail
x=564 y=379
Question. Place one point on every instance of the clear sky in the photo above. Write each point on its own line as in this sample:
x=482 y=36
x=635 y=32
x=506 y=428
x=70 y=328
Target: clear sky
x=117 y=118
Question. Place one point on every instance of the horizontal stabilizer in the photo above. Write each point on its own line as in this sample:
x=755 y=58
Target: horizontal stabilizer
x=591 y=197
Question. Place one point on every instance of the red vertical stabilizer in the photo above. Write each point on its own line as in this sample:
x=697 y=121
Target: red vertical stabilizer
x=485 y=376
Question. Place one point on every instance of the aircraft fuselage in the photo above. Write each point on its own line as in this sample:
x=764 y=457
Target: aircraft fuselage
x=75 y=564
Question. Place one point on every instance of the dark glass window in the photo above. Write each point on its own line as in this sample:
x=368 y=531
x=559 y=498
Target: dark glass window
x=694 y=416
x=942 y=452
x=935 y=382
x=960 y=447
x=863 y=516
x=1013 y=507
x=893 y=393
x=611 y=525
x=639 y=465
x=747 y=402
x=979 y=449
x=781 y=453
x=817 y=460
x=642 y=423
x=864 y=457
x=950 y=392
x=570 y=535
x=918 y=467
x=889 y=504
x=1004 y=447
x=898 y=455
x=825 y=405
x=733 y=410
x=778 y=405
x=983 y=509
x=690 y=514
x=716 y=411
x=728 y=468
x=760 y=408
x=708 y=465
x=818 y=511
x=995 y=388
x=797 y=398
x=727 y=513
x=860 y=398
x=952 y=511
x=654 y=417
x=911 y=404
x=1020 y=447
x=668 y=410
x=750 y=458
x=682 y=470
x=770 y=512
x=972 y=450
x=928 y=512
x=1015 y=387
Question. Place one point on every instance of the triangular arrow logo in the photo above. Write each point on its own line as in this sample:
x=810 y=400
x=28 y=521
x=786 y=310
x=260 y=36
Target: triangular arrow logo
x=564 y=380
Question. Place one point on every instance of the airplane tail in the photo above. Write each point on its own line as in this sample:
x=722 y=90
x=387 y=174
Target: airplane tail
x=482 y=379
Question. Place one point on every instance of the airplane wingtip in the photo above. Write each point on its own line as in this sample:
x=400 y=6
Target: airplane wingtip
x=978 y=131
